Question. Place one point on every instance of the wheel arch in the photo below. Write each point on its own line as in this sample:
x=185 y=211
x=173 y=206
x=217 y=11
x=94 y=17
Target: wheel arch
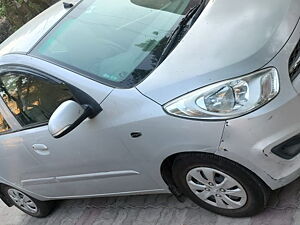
x=167 y=175
x=167 y=164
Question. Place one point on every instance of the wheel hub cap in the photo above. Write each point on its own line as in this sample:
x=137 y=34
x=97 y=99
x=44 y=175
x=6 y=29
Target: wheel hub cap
x=216 y=188
x=22 y=200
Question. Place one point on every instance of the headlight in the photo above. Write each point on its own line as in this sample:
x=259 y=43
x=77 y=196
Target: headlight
x=228 y=99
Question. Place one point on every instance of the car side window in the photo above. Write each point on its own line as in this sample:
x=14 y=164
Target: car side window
x=30 y=98
x=4 y=127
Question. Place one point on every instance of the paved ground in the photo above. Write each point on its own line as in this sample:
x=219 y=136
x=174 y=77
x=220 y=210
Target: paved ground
x=284 y=209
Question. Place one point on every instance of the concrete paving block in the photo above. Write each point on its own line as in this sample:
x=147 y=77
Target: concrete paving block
x=283 y=209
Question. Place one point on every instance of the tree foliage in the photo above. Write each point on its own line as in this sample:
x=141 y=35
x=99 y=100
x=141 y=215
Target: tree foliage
x=18 y=12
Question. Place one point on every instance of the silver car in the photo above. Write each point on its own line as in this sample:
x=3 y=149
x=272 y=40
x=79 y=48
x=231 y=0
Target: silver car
x=122 y=97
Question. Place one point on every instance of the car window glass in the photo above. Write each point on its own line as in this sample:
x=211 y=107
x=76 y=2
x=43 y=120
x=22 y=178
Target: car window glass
x=3 y=125
x=30 y=98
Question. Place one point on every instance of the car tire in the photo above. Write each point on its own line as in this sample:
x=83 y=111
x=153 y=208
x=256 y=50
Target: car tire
x=27 y=204
x=202 y=176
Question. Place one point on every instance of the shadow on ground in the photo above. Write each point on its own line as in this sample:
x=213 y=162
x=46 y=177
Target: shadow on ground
x=283 y=209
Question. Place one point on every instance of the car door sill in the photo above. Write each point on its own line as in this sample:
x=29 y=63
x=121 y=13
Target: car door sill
x=128 y=193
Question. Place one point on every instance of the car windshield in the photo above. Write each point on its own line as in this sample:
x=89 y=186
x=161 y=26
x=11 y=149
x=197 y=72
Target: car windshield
x=116 y=42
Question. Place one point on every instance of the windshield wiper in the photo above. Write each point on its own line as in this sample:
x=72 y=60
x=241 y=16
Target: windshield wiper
x=184 y=25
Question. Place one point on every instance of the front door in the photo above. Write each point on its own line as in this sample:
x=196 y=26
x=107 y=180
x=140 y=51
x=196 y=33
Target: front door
x=91 y=160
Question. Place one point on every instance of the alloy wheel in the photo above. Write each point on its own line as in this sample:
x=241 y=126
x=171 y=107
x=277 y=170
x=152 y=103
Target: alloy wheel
x=22 y=200
x=216 y=188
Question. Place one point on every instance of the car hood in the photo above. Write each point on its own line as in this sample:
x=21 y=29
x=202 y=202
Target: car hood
x=229 y=39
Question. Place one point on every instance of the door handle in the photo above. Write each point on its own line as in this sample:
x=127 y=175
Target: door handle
x=40 y=149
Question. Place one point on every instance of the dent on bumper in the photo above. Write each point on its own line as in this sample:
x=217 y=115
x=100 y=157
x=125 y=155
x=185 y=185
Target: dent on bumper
x=249 y=140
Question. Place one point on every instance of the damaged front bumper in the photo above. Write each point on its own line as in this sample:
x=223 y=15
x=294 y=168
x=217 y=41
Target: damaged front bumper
x=267 y=141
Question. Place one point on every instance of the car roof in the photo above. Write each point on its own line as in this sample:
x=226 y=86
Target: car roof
x=23 y=40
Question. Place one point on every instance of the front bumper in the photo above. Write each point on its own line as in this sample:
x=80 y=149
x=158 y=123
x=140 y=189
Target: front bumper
x=250 y=139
